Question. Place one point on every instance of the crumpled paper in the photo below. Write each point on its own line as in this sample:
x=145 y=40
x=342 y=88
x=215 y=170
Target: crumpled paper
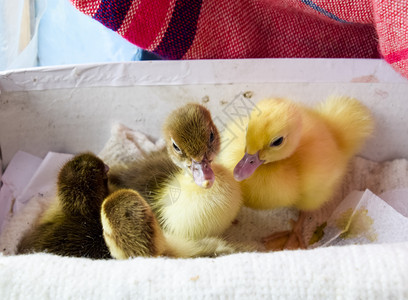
x=126 y=145
x=363 y=217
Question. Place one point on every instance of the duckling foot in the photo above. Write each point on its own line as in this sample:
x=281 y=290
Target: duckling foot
x=290 y=239
x=276 y=241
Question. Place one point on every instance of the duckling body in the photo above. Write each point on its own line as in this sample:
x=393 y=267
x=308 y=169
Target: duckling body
x=194 y=212
x=71 y=226
x=64 y=236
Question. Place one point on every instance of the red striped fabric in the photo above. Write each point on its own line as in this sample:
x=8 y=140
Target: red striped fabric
x=146 y=22
x=89 y=7
x=391 y=19
x=197 y=29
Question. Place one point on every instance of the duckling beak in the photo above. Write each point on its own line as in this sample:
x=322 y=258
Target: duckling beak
x=203 y=175
x=247 y=166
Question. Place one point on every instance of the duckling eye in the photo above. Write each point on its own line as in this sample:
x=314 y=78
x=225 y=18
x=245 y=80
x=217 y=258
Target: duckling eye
x=212 y=137
x=176 y=148
x=277 y=142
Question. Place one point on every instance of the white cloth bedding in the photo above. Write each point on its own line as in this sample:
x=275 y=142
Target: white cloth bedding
x=348 y=272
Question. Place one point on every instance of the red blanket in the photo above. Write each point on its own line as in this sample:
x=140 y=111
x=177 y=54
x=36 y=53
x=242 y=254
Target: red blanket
x=196 y=29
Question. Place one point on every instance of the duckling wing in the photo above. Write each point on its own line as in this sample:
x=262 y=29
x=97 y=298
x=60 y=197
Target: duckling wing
x=147 y=176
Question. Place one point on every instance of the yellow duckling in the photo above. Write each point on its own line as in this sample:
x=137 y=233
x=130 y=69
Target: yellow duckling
x=191 y=197
x=292 y=155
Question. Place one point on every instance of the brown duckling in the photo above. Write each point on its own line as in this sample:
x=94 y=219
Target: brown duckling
x=129 y=226
x=71 y=226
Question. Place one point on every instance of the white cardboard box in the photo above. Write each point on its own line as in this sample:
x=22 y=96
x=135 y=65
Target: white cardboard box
x=72 y=108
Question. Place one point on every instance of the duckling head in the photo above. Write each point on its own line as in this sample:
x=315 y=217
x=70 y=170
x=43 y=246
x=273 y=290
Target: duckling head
x=273 y=134
x=193 y=141
x=83 y=184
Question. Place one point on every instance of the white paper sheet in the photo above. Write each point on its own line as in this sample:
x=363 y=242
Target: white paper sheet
x=16 y=177
x=363 y=218
x=398 y=199
x=44 y=179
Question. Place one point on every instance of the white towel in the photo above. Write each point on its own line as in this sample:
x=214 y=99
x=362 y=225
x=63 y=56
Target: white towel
x=374 y=271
